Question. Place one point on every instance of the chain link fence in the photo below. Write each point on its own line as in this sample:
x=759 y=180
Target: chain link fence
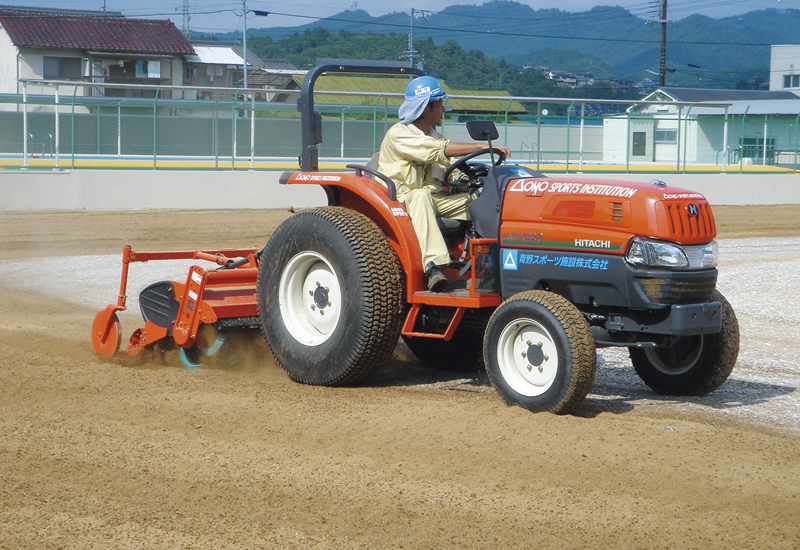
x=227 y=130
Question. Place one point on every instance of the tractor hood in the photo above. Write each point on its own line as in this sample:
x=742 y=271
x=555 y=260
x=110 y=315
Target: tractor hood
x=601 y=215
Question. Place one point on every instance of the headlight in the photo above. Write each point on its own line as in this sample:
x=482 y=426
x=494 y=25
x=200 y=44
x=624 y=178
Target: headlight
x=644 y=252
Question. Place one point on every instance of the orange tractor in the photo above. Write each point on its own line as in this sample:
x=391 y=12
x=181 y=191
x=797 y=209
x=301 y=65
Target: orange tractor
x=548 y=270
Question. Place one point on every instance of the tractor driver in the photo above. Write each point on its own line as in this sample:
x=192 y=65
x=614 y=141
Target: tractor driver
x=414 y=155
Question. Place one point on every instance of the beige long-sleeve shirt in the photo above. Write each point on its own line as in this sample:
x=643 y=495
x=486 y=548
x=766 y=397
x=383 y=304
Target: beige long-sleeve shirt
x=413 y=159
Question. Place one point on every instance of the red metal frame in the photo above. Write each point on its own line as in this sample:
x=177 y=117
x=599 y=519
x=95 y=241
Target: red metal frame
x=205 y=297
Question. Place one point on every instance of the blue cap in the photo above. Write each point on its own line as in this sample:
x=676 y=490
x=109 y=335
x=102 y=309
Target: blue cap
x=419 y=92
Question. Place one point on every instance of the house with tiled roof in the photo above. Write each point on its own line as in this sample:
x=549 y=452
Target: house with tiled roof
x=88 y=47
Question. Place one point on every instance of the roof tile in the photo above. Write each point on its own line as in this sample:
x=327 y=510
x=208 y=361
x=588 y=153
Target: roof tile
x=105 y=33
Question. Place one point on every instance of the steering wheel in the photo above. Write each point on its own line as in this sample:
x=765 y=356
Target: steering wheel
x=473 y=172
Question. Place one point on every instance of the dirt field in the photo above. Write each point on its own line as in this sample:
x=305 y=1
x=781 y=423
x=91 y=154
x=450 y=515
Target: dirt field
x=97 y=455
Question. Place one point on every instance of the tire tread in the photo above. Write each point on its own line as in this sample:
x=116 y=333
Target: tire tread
x=381 y=276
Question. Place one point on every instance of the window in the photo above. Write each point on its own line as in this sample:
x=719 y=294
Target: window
x=639 y=144
x=63 y=68
x=753 y=147
x=791 y=81
x=665 y=136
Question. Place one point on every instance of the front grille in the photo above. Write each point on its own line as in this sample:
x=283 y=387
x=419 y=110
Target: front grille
x=686 y=225
x=679 y=288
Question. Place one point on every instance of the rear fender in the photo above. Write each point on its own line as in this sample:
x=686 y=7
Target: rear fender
x=365 y=195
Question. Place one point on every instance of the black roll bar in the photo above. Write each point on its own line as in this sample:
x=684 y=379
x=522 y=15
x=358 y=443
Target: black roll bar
x=311 y=122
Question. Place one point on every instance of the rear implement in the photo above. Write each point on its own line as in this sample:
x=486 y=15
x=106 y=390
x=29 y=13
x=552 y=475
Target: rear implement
x=223 y=296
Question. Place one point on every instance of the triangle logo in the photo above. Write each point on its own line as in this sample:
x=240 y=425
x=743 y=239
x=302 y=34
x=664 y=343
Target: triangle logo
x=510 y=260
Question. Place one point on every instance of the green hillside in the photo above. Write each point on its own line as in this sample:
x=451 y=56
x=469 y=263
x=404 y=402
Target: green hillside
x=606 y=41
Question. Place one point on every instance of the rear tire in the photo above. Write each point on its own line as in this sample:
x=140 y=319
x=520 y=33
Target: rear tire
x=330 y=296
x=540 y=353
x=693 y=365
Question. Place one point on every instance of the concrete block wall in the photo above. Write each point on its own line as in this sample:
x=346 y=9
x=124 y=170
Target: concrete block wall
x=200 y=190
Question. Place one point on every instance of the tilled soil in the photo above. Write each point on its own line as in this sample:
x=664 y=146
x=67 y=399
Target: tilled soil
x=123 y=454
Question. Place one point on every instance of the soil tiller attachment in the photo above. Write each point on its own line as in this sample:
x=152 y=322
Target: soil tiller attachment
x=223 y=297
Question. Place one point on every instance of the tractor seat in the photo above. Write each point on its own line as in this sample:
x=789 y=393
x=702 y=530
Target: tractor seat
x=450 y=228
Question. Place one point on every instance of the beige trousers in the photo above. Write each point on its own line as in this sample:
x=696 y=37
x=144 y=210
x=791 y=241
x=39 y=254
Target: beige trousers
x=423 y=207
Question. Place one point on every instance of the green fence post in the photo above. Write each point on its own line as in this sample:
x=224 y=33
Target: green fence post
x=796 y=138
x=444 y=103
x=725 y=158
x=678 y=142
x=58 y=128
x=24 y=124
x=628 y=142
x=155 y=120
x=686 y=135
x=375 y=122
x=538 y=134
x=215 y=130
x=233 y=131
x=252 y=131
x=569 y=112
x=505 y=123
x=72 y=123
x=580 y=140
x=119 y=129
x=741 y=141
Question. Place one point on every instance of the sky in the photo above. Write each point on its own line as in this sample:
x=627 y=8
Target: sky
x=226 y=15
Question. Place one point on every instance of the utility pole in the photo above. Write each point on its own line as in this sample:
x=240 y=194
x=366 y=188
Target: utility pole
x=244 y=40
x=411 y=52
x=662 y=63
x=186 y=17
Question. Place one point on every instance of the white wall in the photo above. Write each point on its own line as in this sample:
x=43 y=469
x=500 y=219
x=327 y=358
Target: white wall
x=148 y=189
x=8 y=64
x=784 y=59
x=189 y=190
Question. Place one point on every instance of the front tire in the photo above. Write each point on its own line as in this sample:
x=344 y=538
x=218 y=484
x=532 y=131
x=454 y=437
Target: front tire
x=330 y=296
x=540 y=353
x=693 y=365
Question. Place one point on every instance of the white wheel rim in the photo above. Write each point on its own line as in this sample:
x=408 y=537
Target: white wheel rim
x=686 y=364
x=310 y=298
x=527 y=357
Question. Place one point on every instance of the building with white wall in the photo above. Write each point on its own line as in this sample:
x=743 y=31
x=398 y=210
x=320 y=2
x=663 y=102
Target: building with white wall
x=706 y=126
x=784 y=68
x=89 y=48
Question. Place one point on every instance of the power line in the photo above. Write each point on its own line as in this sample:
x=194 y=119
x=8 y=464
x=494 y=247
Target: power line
x=532 y=35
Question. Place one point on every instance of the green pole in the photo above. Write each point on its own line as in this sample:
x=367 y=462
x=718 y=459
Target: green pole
x=155 y=120
x=796 y=138
x=233 y=131
x=741 y=141
x=215 y=130
x=569 y=120
x=375 y=122
x=445 y=107
x=686 y=135
x=72 y=123
x=678 y=144
x=628 y=143
x=508 y=108
x=539 y=135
